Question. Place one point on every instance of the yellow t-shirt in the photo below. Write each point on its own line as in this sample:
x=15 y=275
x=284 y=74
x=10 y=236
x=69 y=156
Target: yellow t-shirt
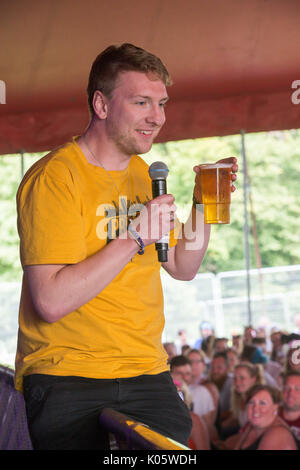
x=68 y=209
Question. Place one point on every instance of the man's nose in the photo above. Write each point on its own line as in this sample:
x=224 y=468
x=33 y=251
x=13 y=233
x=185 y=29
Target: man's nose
x=156 y=115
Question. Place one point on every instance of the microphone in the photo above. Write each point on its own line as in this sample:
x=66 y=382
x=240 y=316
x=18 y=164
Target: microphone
x=158 y=172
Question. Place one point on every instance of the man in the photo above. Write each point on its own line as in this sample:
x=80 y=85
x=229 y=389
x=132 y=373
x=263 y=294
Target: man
x=272 y=368
x=171 y=350
x=206 y=329
x=221 y=345
x=203 y=404
x=91 y=311
x=219 y=375
x=233 y=359
x=289 y=411
x=197 y=360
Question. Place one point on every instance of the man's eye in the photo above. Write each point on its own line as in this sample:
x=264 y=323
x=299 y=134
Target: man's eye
x=141 y=103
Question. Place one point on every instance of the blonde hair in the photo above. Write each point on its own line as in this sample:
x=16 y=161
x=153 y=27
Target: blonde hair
x=254 y=370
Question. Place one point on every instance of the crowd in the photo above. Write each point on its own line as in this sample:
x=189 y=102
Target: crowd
x=243 y=392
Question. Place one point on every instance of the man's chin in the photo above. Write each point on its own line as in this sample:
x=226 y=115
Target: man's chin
x=141 y=149
x=219 y=381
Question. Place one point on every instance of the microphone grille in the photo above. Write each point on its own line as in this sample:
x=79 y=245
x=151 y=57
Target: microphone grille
x=158 y=170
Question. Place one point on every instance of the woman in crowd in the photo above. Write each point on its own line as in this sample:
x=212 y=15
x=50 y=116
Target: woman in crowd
x=246 y=375
x=264 y=429
x=254 y=355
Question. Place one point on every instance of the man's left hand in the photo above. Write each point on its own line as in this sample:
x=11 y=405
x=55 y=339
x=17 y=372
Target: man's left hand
x=234 y=168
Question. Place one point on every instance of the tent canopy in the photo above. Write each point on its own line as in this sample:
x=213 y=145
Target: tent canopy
x=232 y=63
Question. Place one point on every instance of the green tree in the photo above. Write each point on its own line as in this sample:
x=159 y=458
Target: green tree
x=10 y=177
x=274 y=170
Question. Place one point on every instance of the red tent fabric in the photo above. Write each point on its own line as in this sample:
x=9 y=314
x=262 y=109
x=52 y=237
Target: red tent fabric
x=233 y=64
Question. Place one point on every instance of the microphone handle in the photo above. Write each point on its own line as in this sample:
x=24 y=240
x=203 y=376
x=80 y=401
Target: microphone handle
x=159 y=187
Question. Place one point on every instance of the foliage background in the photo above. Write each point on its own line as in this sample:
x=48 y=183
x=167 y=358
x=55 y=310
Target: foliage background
x=274 y=170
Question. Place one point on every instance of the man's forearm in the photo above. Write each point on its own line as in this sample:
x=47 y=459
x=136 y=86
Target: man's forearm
x=58 y=290
x=189 y=252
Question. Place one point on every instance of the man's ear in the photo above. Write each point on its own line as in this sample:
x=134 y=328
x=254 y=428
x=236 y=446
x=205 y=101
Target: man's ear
x=100 y=104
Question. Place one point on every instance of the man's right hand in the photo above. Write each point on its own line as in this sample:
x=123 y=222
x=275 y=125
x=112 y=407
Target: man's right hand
x=156 y=219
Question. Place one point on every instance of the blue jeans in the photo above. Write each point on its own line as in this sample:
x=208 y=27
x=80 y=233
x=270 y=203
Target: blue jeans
x=63 y=412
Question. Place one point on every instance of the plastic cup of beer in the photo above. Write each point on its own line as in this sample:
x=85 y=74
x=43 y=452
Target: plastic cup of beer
x=214 y=192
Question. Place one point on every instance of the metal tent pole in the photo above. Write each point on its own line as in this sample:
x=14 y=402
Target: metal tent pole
x=246 y=228
x=22 y=163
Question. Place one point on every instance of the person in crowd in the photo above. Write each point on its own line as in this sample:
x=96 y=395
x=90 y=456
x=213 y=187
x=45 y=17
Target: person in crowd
x=233 y=359
x=91 y=304
x=249 y=334
x=271 y=367
x=219 y=375
x=203 y=404
x=261 y=342
x=185 y=349
x=265 y=430
x=182 y=340
x=197 y=360
x=253 y=354
x=245 y=376
x=278 y=350
x=199 y=437
x=202 y=401
x=208 y=347
x=289 y=409
x=220 y=345
x=206 y=329
x=171 y=350
x=237 y=343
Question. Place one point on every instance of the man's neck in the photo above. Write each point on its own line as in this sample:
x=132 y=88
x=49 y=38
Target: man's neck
x=291 y=415
x=220 y=382
x=98 y=150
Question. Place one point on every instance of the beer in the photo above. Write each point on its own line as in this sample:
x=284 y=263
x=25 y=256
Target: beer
x=213 y=190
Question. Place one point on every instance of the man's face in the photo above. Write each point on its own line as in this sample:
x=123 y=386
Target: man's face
x=205 y=332
x=291 y=393
x=183 y=372
x=198 y=365
x=233 y=360
x=219 y=368
x=221 y=345
x=135 y=112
